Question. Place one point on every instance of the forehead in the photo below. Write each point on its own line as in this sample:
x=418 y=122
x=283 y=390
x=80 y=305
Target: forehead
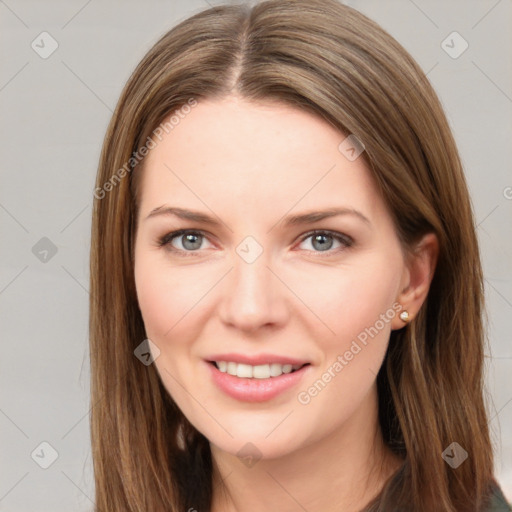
x=254 y=155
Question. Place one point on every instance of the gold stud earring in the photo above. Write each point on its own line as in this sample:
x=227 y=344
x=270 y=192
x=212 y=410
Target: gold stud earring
x=404 y=316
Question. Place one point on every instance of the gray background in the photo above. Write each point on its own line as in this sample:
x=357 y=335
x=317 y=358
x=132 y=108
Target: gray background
x=55 y=112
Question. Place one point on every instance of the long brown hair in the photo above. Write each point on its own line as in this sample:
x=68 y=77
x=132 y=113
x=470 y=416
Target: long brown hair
x=328 y=59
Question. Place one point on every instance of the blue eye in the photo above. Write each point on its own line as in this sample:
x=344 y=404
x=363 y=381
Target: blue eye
x=323 y=241
x=191 y=241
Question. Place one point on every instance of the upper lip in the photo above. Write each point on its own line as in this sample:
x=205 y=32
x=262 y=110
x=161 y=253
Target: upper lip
x=256 y=360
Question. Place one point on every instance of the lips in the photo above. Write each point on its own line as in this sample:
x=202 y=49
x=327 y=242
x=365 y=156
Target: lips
x=262 y=371
x=256 y=360
x=256 y=389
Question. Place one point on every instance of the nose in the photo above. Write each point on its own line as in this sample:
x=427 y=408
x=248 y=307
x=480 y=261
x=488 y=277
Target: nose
x=253 y=296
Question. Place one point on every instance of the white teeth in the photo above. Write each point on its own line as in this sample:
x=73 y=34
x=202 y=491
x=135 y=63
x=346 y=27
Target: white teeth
x=287 y=368
x=261 y=371
x=244 y=370
x=276 y=369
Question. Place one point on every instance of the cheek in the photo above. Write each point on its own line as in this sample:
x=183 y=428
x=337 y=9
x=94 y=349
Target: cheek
x=357 y=304
x=349 y=299
x=167 y=306
x=165 y=295
x=153 y=296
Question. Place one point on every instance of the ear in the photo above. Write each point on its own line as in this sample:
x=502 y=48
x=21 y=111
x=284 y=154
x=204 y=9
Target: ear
x=416 y=278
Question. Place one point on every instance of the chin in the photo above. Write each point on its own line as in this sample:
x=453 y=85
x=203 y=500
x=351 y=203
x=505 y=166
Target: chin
x=269 y=438
x=251 y=448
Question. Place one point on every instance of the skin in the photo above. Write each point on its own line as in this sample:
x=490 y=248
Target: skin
x=249 y=165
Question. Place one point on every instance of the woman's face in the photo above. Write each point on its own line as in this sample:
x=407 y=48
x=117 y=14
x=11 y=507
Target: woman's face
x=252 y=282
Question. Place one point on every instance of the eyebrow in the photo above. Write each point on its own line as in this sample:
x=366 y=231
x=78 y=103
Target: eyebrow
x=291 y=220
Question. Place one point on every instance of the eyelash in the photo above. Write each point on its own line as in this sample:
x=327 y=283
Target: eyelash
x=165 y=241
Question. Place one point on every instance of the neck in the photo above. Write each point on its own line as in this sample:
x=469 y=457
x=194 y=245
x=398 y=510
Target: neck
x=342 y=471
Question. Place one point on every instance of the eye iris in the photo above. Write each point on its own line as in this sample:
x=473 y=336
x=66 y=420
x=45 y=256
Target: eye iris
x=324 y=246
x=195 y=240
x=321 y=241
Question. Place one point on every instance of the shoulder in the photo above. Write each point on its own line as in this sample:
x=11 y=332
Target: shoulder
x=497 y=501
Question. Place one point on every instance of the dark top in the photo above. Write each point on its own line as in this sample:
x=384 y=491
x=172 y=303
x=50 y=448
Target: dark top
x=498 y=502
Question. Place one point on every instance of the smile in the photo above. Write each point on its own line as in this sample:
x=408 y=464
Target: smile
x=258 y=383
x=261 y=371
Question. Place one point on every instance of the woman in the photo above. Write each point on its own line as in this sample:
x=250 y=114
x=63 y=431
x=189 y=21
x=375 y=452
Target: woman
x=286 y=291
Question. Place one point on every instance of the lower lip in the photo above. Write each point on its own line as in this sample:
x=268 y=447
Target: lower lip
x=255 y=390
